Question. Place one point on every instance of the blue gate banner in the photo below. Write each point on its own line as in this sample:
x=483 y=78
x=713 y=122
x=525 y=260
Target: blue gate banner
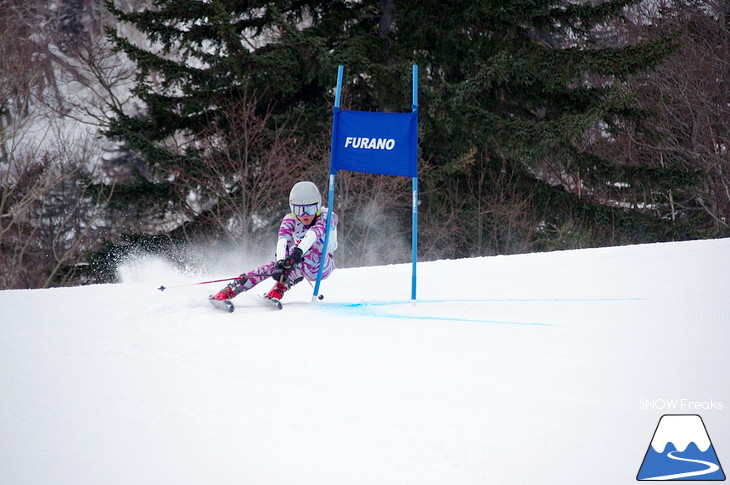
x=372 y=142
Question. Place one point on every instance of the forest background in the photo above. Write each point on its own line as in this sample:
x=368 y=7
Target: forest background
x=178 y=127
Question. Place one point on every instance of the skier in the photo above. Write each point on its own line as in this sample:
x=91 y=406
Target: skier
x=298 y=249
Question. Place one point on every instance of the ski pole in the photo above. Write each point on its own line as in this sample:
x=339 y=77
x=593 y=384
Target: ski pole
x=163 y=288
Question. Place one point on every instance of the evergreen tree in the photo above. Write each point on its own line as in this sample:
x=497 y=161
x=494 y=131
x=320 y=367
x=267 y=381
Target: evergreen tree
x=201 y=61
x=518 y=93
x=515 y=95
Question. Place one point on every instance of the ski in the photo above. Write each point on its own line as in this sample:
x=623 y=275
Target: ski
x=227 y=305
x=272 y=301
x=224 y=305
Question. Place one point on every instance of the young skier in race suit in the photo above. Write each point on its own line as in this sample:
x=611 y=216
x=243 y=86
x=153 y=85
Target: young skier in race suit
x=298 y=249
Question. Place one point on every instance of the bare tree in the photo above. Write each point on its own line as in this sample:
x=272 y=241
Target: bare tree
x=50 y=213
x=247 y=167
x=690 y=95
x=477 y=209
x=52 y=193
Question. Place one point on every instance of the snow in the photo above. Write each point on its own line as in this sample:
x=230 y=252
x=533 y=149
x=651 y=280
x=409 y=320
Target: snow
x=538 y=368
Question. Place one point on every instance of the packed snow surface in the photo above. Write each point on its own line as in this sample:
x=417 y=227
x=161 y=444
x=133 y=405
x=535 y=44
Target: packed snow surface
x=539 y=368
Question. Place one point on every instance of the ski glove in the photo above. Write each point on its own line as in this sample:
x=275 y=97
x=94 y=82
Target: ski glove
x=283 y=267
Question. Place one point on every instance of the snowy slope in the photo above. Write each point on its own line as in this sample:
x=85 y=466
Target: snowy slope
x=542 y=368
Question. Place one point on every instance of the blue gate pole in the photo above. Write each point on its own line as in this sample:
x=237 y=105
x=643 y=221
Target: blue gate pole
x=414 y=238
x=414 y=210
x=333 y=172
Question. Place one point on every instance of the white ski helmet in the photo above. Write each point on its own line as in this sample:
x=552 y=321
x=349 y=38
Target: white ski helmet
x=304 y=198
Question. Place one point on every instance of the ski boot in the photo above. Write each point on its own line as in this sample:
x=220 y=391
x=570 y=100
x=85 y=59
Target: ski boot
x=231 y=290
x=277 y=292
x=222 y=299
x=225 y=294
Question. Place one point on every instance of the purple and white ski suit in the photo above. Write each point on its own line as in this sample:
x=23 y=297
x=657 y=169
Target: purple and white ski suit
x=310 y=239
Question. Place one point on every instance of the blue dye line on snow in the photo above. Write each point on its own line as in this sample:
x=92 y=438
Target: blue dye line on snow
x=366 y=309
x=452 y=319
x=480 y=300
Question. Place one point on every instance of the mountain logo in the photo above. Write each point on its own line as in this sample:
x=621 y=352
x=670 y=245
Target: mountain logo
x=681 y=450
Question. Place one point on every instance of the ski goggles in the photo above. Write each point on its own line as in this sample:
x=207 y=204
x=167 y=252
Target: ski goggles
x=309 y=209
